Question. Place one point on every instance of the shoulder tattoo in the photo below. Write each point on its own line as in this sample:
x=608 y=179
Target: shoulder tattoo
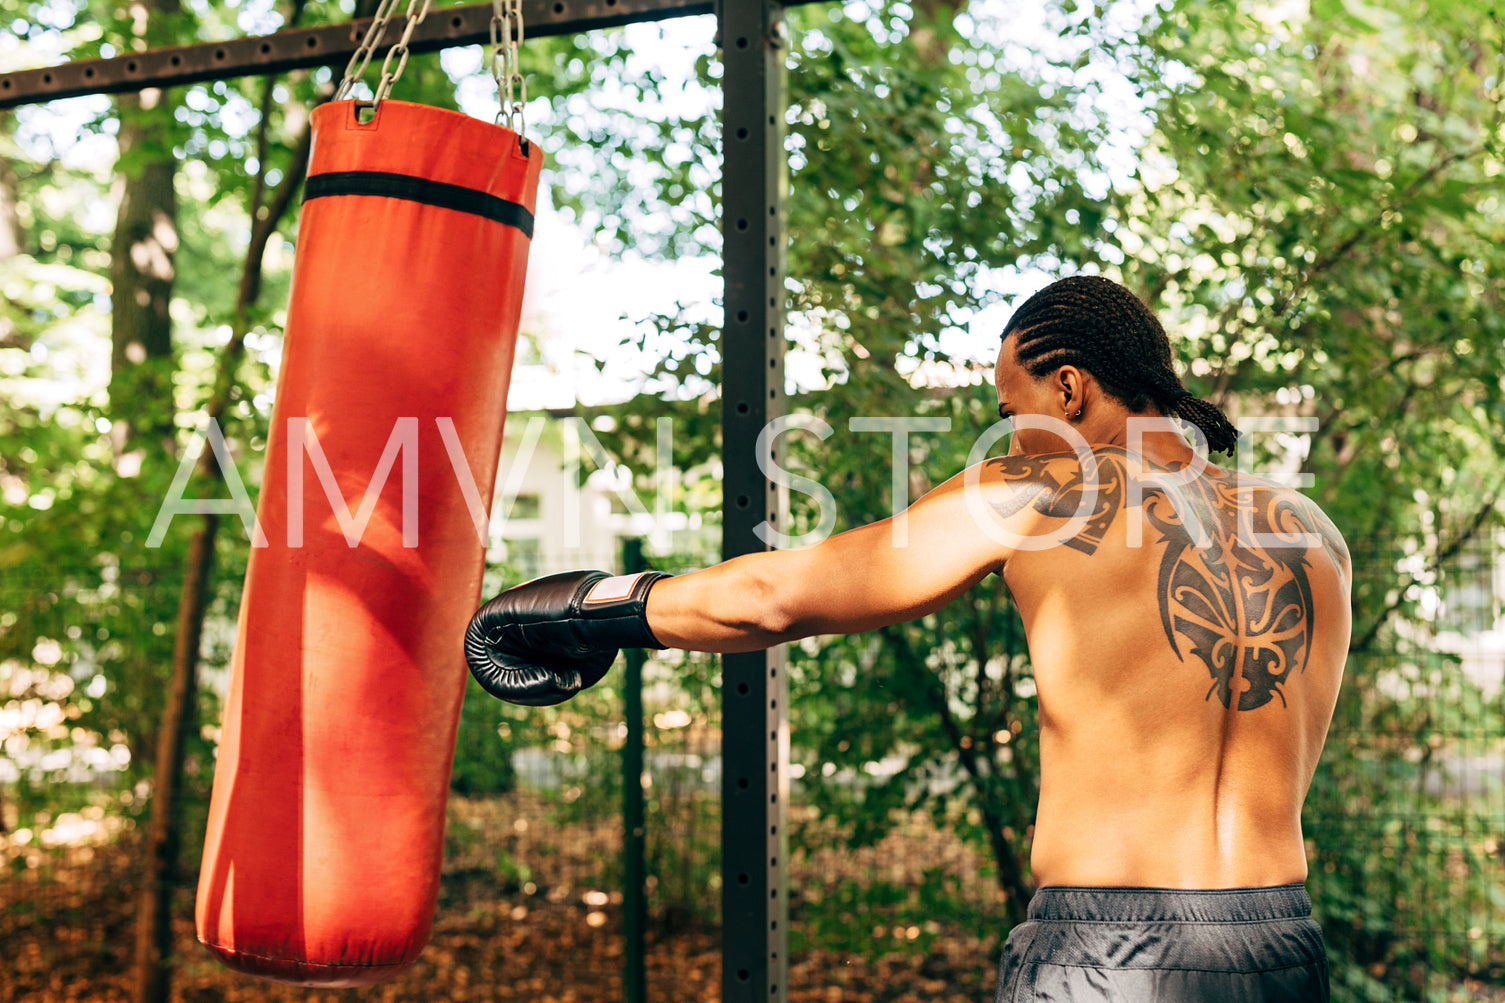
x=1233 y=586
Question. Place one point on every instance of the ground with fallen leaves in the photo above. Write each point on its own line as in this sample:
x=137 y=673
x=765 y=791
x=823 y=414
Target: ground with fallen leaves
x=527 y=911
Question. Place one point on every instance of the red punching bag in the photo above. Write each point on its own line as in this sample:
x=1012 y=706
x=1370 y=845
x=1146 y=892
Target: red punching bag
x=321 y=862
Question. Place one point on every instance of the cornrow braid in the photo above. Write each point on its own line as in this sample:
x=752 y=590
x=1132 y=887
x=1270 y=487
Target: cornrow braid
x=1097 y=325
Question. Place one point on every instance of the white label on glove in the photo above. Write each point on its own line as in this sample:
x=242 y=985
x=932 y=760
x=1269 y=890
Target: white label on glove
x=612 y=589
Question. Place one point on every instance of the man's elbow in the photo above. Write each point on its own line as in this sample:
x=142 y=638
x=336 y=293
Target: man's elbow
x=772 y=609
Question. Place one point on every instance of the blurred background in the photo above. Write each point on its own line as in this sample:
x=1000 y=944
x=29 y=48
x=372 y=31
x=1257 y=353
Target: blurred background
x=1308 y=193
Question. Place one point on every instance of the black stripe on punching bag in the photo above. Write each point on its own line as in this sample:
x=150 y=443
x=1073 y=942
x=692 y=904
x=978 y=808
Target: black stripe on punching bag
x=411 y=189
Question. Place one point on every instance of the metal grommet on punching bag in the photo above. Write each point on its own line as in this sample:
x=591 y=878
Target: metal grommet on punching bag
x=321 y=861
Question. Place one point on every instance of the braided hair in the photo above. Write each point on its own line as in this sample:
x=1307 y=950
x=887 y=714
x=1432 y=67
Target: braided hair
x=1099 y=326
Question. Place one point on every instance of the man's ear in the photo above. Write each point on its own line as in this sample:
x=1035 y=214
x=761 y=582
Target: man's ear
x=1071 y=382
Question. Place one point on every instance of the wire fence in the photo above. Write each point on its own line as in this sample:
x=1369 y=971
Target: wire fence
x=1405 y=825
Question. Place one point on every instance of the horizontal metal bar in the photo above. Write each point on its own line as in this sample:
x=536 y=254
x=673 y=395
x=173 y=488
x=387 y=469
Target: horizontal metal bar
x=326 y=45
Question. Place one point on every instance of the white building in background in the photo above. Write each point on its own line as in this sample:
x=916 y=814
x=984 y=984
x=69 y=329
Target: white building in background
x=1471 y=621
x=1468 y=615
x=561 y=505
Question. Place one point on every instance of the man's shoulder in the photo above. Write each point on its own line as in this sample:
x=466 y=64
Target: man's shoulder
x=1103 y=480
x=1064 y=499
x=1105 y=462
x=1285 y=510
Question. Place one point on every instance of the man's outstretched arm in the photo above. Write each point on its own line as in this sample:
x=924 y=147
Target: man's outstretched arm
x=545 y=640
x=886 y=572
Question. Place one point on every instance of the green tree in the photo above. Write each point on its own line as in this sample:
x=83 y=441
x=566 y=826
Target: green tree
x=1311 y=203
x=1308 y=195
x=107 y=598
x=923 y=165
x=1323 y=221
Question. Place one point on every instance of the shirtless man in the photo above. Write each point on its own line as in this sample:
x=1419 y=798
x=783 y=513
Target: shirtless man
x=1187 y=629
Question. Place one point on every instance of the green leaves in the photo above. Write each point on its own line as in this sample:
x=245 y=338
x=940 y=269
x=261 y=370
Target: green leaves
x=1314 y=213
x=1329 y=265
x=1308 y=195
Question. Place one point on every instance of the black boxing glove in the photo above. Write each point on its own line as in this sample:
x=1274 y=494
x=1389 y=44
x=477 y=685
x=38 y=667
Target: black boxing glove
x=541 y=642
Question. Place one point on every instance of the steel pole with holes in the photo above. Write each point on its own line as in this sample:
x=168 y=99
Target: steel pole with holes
x=754 y=724
x=634 y=828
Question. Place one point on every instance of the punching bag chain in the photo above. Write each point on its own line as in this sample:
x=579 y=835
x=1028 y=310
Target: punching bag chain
x=506 y=38
x=361 y=58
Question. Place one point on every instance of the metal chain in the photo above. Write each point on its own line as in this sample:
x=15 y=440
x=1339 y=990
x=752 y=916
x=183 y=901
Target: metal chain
x=362 y=53
x=389 y=76
x=506 y=38
x=398 y=52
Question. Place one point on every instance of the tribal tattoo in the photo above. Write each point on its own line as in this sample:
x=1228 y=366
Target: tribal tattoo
x=1240 y=603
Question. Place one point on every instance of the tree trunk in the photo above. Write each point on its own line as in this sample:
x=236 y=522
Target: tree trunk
x=141 y=270
x=1012 y=881
x=153 y=963
x=11 y=238
x=154 y=905
x=141 y=404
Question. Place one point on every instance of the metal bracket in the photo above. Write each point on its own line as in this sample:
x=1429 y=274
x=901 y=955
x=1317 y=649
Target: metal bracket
x=326 y=45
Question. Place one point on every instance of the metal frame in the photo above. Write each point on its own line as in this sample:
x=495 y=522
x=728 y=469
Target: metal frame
x=754 y=685
x=634 y=809
x=325 y=45
x=755 y=731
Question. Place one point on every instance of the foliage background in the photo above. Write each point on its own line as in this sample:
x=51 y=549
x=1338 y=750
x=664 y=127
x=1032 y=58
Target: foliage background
x=1308 y=193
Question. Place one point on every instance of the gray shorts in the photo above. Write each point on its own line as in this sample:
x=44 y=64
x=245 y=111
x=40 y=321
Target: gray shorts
x=1169 y=945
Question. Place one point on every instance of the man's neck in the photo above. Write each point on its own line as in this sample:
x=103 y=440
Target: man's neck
x=1151 y=439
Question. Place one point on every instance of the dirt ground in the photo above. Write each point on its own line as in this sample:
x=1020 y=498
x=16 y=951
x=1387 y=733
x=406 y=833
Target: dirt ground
x=528 y=910
x=547 y=933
